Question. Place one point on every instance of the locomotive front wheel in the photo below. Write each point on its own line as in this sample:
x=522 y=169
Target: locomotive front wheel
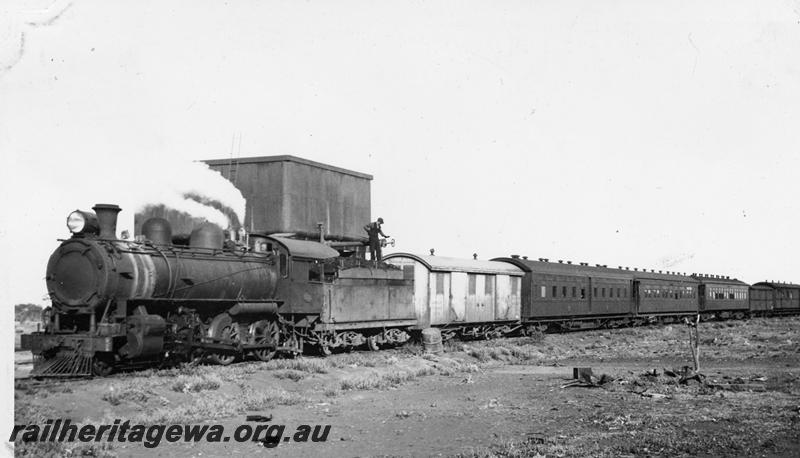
x=101 y=366
x=265 y=332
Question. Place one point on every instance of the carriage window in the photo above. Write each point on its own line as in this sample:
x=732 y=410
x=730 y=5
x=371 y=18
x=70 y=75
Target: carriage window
x=730 y=296
x=514 y=286
x=603 y=292
x=618 y=291
x=439 y=283
x=283 y=265
x=555 y=291
x=544 y=291
x=595 y=292
x=564 y=291
x=471 y=280
x=583 y=293
x=574 y=291
x=488 y=288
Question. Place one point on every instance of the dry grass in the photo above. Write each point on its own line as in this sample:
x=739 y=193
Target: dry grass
x=196 y=383
x=290 y=374
x=383 y=380
x=735 y=339
x=309 y=365
x=137 y=391
x=205 y=406
x=359 y=360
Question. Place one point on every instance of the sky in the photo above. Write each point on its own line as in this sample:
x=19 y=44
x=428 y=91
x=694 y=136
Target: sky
x=624 y=133
x=646 y=134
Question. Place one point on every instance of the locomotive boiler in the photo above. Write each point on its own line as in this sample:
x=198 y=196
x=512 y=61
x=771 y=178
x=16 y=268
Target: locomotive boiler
x=126 y=303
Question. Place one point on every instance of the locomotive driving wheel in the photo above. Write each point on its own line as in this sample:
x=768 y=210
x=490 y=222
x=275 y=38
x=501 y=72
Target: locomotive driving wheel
x=223 y=327
x=265 y=332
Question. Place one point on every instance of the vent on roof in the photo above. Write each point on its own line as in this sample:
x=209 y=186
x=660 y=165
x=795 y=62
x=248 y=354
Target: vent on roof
x=584 y=263
x=569 y=262
x=514 y=256
x=561 y=261
x=524 y=257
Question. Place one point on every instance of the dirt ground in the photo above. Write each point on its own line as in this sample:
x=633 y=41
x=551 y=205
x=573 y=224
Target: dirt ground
x=489 y=398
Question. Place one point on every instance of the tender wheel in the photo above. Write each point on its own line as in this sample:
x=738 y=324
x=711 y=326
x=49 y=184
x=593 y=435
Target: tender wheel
x=325 y=350
x=265 y=332
x=372 y=343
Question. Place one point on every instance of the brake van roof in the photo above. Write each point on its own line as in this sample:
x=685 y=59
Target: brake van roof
x=445 y=264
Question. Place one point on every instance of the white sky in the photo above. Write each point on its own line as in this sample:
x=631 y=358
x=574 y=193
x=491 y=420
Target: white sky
x=648 y=134
x=637 y=133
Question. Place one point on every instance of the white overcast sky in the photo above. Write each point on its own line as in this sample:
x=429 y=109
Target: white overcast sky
x=637 y=133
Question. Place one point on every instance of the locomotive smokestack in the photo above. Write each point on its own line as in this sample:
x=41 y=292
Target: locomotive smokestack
x=107 y=219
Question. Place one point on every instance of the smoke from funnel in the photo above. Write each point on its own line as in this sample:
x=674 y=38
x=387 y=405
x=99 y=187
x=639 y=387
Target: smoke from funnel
x=196 y=190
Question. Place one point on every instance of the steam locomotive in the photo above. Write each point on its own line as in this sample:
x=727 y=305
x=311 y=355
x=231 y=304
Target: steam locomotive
x=119 y=303
x=161 y=299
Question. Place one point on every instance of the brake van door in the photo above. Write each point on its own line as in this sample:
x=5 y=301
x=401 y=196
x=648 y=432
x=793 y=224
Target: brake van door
x=440 y=297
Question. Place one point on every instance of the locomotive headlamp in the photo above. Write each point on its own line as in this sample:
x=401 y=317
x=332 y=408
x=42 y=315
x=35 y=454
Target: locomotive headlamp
x=81 y=222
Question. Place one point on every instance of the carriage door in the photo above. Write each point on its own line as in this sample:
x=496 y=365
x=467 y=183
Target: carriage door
x=637 y=296
x=701 y=293
x=440 y=297
x=489 y=298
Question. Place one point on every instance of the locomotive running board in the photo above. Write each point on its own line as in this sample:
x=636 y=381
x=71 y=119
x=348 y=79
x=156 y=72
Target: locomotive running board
x=64 y=365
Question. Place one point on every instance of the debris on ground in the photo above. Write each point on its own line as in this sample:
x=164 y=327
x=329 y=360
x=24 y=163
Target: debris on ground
x=587 y=379
x=648 y=394
x=259 y=418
